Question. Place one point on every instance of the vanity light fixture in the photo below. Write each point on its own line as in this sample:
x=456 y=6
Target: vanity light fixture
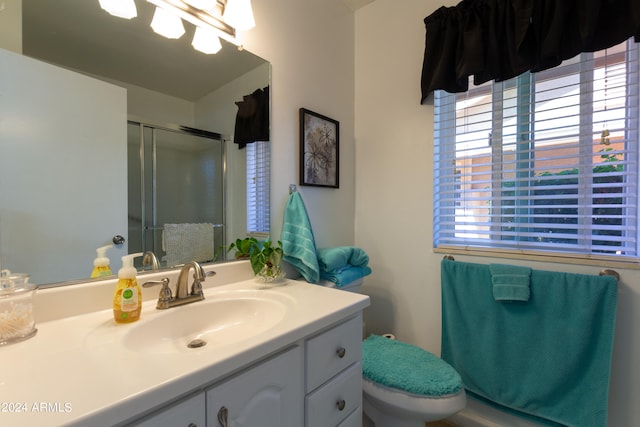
x=121 y=8
x=213 y=19
x=167 y=24
x=202 y=4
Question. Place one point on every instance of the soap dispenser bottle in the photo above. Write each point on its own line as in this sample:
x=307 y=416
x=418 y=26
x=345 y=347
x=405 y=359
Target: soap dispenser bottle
x=127 y=300
x=101 y=265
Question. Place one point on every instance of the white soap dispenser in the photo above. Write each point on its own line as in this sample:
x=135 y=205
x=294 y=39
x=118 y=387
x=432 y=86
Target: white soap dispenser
x=101 y=265
x=127 y=300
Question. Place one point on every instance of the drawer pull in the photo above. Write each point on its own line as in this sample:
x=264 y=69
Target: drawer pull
x=222 y=416
x=341 y=404
x=341 y=352
x=192 y=425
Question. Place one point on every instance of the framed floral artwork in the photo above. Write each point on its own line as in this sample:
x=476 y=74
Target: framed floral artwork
x=319 y=150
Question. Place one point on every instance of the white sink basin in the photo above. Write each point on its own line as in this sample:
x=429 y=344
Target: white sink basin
x=219 y=320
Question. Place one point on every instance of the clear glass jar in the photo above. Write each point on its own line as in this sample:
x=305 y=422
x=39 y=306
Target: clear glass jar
x=17 y=321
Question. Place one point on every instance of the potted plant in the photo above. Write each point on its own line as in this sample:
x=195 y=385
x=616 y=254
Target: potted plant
x=265 y=257
x=244 y=247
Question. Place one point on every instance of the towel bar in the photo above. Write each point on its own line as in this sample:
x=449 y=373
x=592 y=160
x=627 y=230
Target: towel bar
x=605 y=272
x=608 y=272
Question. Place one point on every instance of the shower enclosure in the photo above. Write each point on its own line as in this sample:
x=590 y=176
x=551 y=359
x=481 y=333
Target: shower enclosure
x=176 y=178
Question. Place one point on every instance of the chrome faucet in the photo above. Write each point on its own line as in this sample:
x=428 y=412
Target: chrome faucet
x=183 y=295
x=149 y=258
x=182 y=288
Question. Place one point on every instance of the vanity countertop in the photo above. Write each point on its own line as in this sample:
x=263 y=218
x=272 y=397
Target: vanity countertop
x=78 y=368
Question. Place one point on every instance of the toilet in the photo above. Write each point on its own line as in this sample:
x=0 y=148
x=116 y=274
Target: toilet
x=406 y=386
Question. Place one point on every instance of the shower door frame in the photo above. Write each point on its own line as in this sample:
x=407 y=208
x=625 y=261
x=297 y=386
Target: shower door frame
x=186 y=130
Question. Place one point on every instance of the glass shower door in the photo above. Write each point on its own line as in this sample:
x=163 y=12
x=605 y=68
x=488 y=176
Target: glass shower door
x=180 y=188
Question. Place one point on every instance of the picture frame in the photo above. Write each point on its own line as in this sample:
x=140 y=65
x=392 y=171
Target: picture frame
x=319 y=150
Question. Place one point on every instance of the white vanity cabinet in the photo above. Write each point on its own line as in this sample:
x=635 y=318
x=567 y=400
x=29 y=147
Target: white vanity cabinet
x=189 y=412
x=316 y=383
x=269 y=395
x=334 y=376
x=304 y=370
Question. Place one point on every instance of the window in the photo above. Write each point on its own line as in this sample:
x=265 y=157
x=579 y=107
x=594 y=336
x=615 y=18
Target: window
x=546 y=161
x=258 y=188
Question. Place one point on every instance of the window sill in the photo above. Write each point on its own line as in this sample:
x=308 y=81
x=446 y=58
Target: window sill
x=556 y=257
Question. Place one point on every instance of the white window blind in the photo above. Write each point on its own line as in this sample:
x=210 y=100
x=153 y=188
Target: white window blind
x=258 y=187
x=546 y=161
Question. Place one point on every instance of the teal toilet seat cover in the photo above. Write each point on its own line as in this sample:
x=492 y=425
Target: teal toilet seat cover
x=408 y=368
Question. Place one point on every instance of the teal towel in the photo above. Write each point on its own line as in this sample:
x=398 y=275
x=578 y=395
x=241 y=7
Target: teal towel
x=510 y=282
x=550 y=357
x=334 y=259
x=405 y=367
x=298 y=243
x=346 y=275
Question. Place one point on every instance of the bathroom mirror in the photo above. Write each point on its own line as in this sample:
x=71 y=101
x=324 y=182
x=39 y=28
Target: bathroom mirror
x=78 y=35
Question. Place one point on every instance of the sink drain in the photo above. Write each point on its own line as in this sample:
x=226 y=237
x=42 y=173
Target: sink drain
x=197 y=343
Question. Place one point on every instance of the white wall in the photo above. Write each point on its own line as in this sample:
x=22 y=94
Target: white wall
x=217 y=111
x=393 y=219
x=48 y=118
x=311 y=49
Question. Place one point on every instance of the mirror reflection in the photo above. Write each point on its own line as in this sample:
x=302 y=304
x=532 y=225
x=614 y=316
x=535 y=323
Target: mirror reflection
x=90 y=163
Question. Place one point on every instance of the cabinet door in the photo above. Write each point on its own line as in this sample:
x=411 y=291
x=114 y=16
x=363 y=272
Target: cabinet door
x=188 y=413
x=267 y=395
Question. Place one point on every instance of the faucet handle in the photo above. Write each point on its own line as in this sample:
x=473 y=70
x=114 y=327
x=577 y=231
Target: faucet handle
x=165 y=296
x=196 y=287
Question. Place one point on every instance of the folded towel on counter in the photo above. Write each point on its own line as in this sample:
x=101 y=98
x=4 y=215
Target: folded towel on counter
x=298 y=243
x=334 y=259
x=345 y=276
x=188 y=242
x=510 y=282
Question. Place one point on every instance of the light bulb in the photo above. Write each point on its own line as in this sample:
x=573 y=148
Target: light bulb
x=120 y=8
x=167 y=24
x=206 y=41
x=239 y=14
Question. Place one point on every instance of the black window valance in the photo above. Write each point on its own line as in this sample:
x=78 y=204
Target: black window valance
x=252 y=119
x=501 y=39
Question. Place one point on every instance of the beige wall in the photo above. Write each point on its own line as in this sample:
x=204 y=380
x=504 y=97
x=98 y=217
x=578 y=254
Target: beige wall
x=394 y=196
x=11 y=25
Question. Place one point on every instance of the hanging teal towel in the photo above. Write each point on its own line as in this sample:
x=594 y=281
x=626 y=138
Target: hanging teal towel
x=298 y=243
x=405 y=367
x=510 y=282
x=550 y=357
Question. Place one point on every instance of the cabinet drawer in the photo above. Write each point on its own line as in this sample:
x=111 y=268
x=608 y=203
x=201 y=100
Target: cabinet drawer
x=353 y=420
x=333 y=402
x=332 y=351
